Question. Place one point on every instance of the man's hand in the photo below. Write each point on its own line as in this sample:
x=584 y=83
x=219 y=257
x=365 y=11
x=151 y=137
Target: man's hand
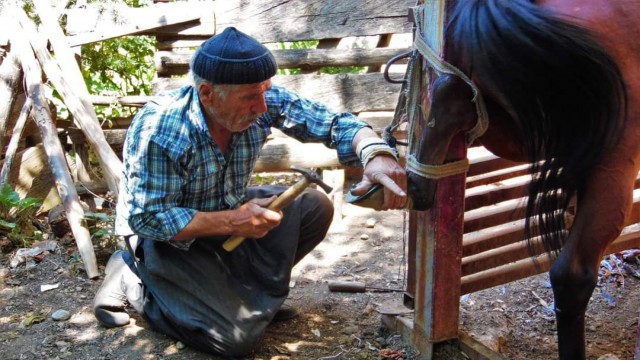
x=254 y=220
x=384 y=169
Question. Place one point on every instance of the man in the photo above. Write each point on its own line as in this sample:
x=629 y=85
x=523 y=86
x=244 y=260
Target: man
x=188 y=158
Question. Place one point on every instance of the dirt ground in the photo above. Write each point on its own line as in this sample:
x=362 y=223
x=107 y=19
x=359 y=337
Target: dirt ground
x=367 y=246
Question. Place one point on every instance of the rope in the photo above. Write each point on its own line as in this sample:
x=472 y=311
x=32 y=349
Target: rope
x=414 y=76
x=436 y=171
x=443 y=67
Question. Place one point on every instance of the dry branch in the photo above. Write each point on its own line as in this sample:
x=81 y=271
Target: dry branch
x=15 y=140
x=53 y=148
x=9 y=82
x=66 y=77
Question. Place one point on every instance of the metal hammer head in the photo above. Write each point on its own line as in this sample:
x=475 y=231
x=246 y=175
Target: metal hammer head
x=312 y=177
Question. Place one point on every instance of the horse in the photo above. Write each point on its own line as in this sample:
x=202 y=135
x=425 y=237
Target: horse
x=559 y=81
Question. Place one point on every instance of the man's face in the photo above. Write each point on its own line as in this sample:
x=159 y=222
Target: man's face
x=238 y=107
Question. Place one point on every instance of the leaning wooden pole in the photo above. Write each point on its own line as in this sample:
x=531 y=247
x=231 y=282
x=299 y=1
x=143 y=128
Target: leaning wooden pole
x=55 y=154
x=10 y=76
x=12 y=148
x=66 y=76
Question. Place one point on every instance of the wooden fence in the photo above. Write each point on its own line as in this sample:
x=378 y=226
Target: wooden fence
x=493 y=252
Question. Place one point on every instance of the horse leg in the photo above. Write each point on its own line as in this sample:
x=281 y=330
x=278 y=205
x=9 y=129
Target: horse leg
x=603 y=205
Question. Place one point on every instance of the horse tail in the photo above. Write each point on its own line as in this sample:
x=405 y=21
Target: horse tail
x=564 y=91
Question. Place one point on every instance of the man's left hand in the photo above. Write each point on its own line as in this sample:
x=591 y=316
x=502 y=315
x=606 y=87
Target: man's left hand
x=384 y=169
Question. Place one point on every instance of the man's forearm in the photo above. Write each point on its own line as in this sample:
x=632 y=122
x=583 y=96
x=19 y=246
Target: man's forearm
x=207 y=224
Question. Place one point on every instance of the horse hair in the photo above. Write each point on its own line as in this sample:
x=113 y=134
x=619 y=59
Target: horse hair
x=564 y=91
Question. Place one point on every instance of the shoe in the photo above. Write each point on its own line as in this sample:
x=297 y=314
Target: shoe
x=110 y=302
x=285 y=313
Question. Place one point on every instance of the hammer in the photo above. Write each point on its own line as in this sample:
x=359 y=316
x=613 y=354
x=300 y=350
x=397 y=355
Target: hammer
x=285 y=199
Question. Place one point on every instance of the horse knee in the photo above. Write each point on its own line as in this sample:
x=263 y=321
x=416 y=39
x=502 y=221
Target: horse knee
x=572 y=285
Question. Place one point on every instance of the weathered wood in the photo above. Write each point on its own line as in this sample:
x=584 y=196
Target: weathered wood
x=494 y=214
x=15 y=139
x=280 y=155
x=89 y=24
x=439 y=230
x=134 y=101
x=53 y=148
x=493 y=237
x=115 y=136
x=482 y=161
x=10 y=76
x=532 y=266
x=504 y=190
x=294 y=20
x=66 y=77
x=383 y=41
x=323 y=44
x=501 y=256
x=342 y=92
x=335 y=179
x=169 y=63
x=31 y=176
x=497 y=175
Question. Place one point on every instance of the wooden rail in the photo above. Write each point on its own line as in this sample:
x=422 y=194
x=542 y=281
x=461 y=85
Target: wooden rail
x=494 y=249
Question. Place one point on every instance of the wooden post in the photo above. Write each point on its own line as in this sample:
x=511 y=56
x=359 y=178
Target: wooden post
x=53 y=148
x=438 y=232
x=438 y=257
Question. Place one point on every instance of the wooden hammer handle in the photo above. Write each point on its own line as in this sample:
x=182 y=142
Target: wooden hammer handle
x=279 y=203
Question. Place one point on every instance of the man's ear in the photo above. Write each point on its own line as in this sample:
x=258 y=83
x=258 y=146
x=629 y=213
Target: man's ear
x=206 y=93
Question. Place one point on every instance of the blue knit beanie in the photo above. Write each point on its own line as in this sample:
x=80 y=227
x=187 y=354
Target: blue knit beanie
x=233 y=57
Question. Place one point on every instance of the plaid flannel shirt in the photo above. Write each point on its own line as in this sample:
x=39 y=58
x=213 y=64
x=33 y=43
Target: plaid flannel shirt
x=173 y=168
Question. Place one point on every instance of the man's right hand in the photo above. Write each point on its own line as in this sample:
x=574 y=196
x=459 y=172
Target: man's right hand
x=254 y=220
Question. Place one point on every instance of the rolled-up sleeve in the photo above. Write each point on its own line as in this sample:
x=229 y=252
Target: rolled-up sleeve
x=311 y=121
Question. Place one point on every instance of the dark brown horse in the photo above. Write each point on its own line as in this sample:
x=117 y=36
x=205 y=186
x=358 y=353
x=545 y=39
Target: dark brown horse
x=561 y=83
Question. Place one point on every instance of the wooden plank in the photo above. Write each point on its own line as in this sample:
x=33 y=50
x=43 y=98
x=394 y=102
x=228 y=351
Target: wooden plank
x=97 y=22
x=133 y=101
x=503 y=234
x=500 y=256
x=341 y=92
x=276 y=155
x=115 y=134
x=497 y=175
x=492 y=215
x=505 y=274
x=493 y=237
x=532 y=266
x=295 y=20
x=476 y=350
x=170 y=63
x=482 y=161
x=504 y=190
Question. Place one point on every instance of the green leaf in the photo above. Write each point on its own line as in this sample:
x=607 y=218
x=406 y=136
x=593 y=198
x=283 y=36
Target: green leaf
x=7 y=224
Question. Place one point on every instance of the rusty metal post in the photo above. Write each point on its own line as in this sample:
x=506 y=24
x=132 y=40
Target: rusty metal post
x=436 y=235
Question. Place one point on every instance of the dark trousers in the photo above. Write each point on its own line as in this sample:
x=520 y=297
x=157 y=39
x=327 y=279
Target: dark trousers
x=221 y=302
